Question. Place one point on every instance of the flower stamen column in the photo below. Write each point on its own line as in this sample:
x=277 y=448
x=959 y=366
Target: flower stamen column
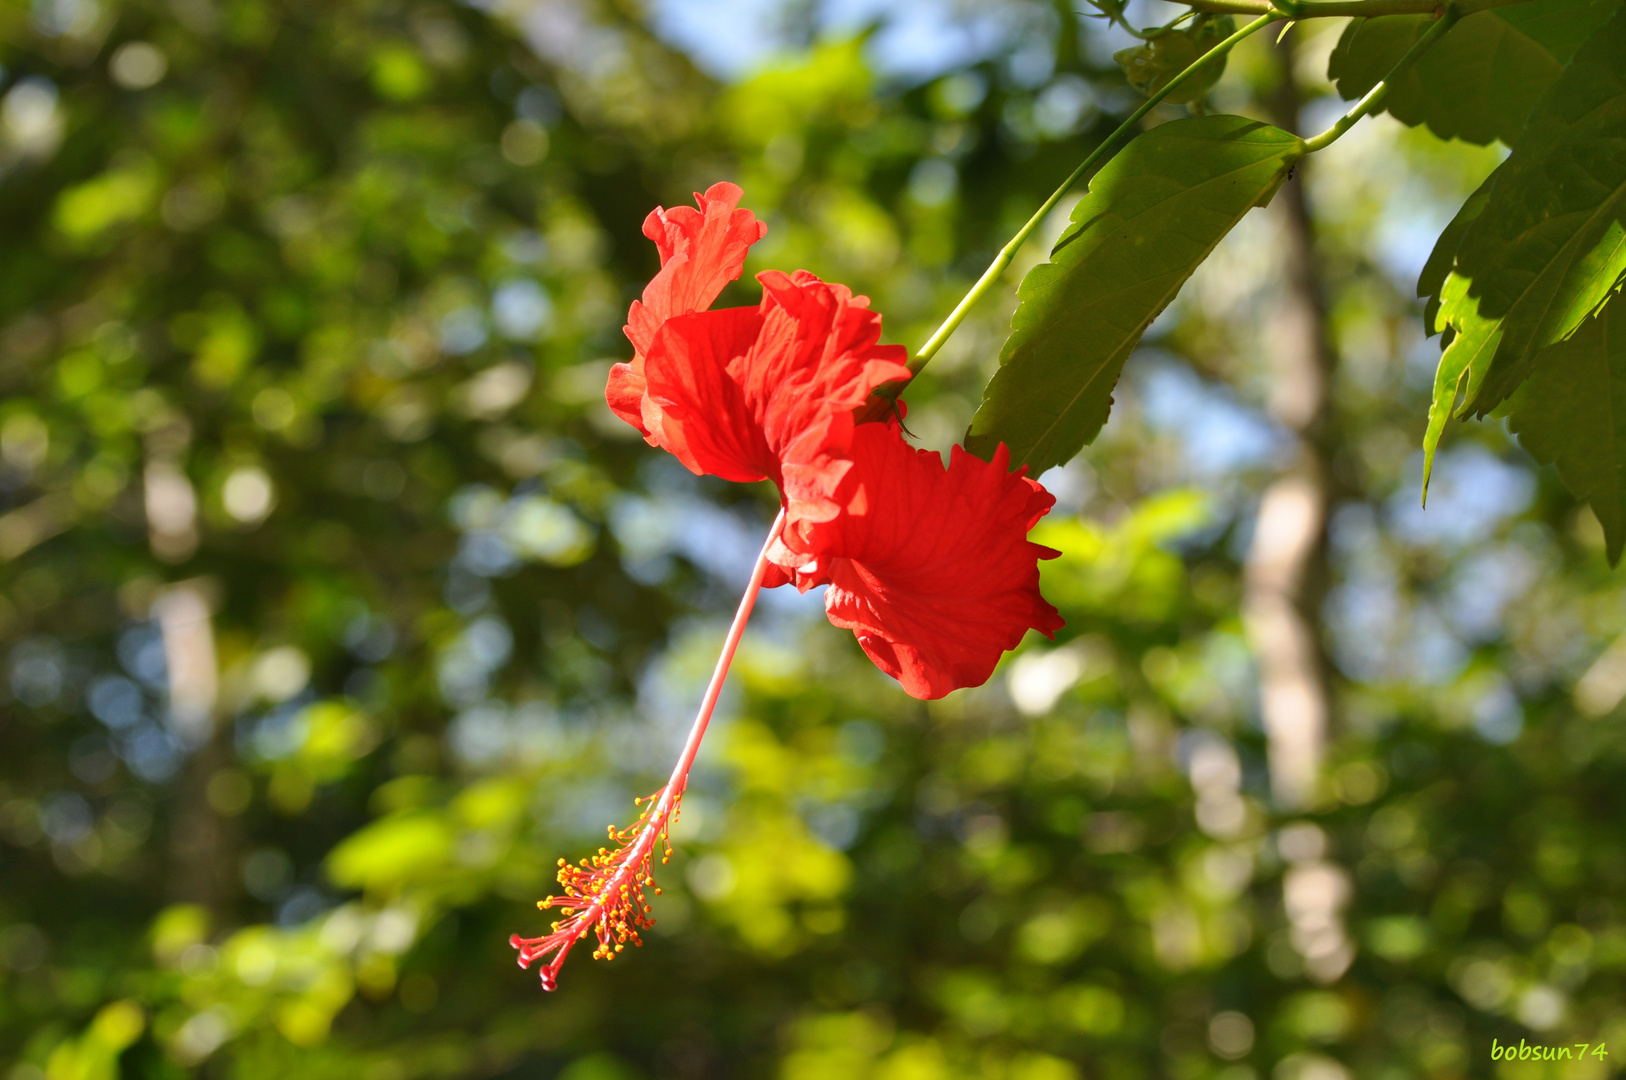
x=605 y=893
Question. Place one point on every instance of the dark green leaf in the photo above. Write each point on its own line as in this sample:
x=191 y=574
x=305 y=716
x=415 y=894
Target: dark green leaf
x=1561 y=26
x=1572 y=412
x=1549 y=245
x=1481 y=80
x=1150 y=217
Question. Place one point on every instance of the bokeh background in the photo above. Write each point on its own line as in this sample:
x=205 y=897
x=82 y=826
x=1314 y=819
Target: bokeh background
x=335 y=606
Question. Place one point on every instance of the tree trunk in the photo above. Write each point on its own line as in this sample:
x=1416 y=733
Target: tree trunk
x=1286 y=571
x=202 y=841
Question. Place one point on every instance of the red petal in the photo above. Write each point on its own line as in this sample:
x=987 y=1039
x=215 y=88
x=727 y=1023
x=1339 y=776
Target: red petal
x=625 y=394
x=701 y=251
x=752 y=393
x=932 y=568
x=816 y=360
x=694 y=407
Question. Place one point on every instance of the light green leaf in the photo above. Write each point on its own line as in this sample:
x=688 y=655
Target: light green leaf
x=1444 y=255
x=1571 y=412
x=1550 y=243
x=1152 y=214
x=121 y=194
x=1481 y=80
x=1448 y=391
x=392 y=852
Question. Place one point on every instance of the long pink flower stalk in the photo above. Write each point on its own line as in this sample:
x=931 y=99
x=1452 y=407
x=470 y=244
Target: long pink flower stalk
x=605 y=893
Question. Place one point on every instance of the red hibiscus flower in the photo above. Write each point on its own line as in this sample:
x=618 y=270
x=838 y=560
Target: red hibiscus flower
x=931 y=568
x=701 y=251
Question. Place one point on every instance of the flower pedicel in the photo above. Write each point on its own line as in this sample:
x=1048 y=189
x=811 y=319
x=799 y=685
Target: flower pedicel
x=929 y=567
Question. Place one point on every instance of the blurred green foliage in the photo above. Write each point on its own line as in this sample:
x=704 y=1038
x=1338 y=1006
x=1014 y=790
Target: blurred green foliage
x=335 y=606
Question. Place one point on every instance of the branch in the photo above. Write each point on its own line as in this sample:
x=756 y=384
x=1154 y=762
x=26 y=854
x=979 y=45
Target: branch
x=1322 y=9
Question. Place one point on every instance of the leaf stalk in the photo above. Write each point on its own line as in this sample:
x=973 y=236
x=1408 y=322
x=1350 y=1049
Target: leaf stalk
x=1375 y=96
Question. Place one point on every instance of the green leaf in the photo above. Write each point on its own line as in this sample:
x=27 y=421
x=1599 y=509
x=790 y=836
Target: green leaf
x=1448 y=389
x=1550 y=243
x=1152 y=214
x=1430 y=284
x=1444 y=255
x=1481 y=80
x=1571 y=412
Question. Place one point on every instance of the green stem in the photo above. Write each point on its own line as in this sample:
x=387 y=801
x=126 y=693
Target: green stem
x=1374 y=97
x=1008 y=252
